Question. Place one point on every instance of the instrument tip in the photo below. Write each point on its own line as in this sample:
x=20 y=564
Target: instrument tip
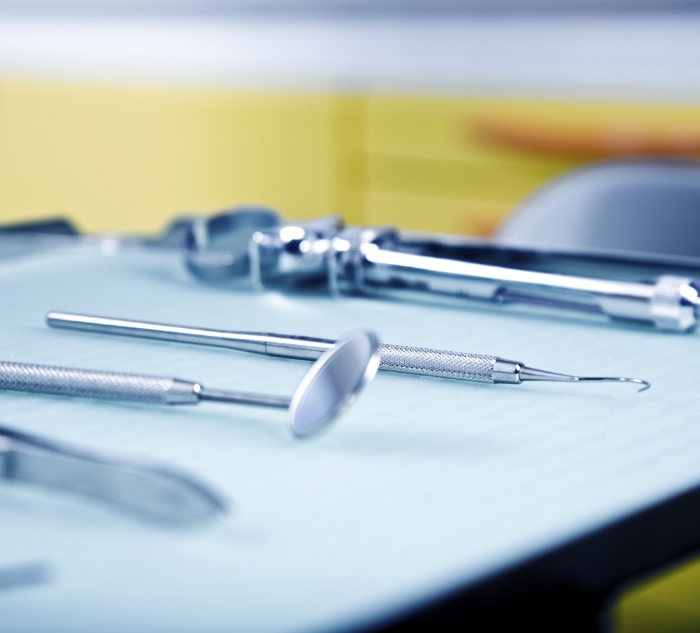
x=638 y=381
x=529 y=373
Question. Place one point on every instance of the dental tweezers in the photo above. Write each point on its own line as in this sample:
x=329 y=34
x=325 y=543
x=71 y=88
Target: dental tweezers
x=153 y=491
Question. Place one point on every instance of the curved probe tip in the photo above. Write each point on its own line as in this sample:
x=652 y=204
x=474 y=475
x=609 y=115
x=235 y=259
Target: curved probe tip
x=645 y=384
x=530 y=373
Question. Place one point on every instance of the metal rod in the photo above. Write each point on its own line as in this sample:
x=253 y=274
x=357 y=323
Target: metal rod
x=301 y=347
x=238 y=397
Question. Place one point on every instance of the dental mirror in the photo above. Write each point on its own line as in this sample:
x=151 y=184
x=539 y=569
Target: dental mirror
x=330 y=386
x=333 y=383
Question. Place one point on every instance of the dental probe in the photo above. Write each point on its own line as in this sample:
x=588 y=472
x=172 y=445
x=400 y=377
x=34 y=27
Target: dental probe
x=330 y=386
x=396 y=358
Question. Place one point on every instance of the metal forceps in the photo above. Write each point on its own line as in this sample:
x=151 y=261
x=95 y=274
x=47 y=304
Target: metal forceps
x=153 y=491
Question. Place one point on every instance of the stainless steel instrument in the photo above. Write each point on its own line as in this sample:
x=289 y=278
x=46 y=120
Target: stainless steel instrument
x=375 y=261
x=330 y=386
x=396 y=358
x=154 y=491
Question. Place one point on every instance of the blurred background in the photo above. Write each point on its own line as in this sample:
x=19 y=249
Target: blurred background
x=440 y=116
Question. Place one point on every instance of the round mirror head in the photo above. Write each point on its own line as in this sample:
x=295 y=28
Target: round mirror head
x=333 y=382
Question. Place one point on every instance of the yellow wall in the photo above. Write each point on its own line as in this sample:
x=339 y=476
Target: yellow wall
x=128 y=159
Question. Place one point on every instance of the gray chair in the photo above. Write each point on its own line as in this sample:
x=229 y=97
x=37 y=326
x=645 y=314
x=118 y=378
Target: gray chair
x=642 y=206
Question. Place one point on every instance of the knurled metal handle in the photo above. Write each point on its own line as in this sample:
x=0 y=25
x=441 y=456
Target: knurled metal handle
x=84 y=383
x=430 y=362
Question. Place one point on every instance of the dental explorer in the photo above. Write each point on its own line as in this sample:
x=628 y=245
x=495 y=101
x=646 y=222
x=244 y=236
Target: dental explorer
x=396 y=358
x=382 y=262
x=330 y=386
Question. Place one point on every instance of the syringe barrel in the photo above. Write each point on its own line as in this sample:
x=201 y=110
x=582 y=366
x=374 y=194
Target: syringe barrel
x=364 y=261
x=381 y=266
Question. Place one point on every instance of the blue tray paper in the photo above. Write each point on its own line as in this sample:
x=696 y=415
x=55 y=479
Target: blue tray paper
x=423 y=486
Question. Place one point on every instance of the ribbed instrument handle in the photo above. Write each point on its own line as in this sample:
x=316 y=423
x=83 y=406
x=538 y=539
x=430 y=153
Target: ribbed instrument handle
x=102 y=385
x=430 y=362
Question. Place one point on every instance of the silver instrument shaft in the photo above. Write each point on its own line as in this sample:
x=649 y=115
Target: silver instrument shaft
x=395 y=358
x=105 y=385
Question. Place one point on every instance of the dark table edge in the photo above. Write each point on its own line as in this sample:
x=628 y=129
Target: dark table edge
x=570 y=587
